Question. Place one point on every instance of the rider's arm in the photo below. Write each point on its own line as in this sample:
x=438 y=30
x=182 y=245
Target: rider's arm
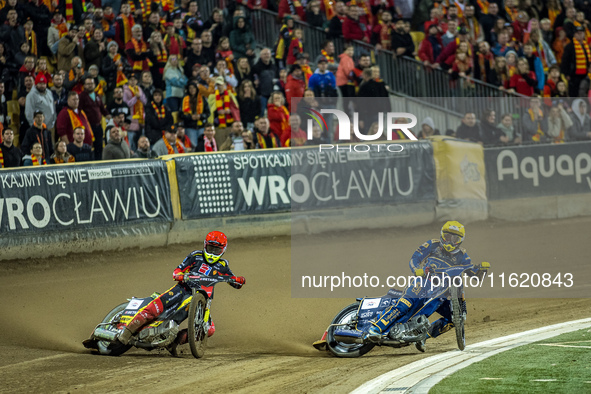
x=476 y=270
x=184 y=267
x=239 y=281
x=421 y=254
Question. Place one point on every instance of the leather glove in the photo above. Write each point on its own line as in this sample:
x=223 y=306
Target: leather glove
x=239 y=281
x=178 y=275
x=419 y=272
x=484 y=266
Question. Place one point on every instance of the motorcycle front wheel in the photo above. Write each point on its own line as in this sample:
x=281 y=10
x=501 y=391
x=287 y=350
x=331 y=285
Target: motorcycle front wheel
x=197 y=332
x=346 y=350
x=458 y=316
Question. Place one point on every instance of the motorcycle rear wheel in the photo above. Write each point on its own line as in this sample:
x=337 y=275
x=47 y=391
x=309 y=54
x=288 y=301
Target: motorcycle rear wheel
x=458 y=316
x=196 y=331
x=346 y=350
x=115 y=348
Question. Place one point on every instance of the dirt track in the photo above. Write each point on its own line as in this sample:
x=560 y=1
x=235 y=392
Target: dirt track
x=263 y=339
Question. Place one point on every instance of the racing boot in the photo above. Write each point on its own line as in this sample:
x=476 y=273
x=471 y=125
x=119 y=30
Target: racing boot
x=373 y=334
x=143 y=317
x=210 y=328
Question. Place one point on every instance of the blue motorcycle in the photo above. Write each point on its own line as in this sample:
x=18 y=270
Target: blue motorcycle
x=346 y=334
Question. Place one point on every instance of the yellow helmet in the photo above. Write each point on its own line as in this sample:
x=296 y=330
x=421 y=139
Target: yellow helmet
x=452 y=235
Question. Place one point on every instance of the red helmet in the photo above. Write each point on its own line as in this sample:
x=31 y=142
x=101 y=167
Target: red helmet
x=214 y=246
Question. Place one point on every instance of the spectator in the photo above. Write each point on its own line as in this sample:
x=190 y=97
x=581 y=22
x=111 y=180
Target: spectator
x=264 y=73
x=353 y=29
x=95 y=49
x=123 y=26
x=207 y=141
x=243 y=71
x=39 y=99
x=224 y=108
x=581 y=128
x=402 y=43
x=56 y=31
x=158 y=118
x=323 y=82
x=78 y=149
x=249 y=103
x=205 y=82
x=484 y=64
x=535 y=64
x=234 y=139
x=61 y=154
x=475 y=30
x=117 y=105
x=462 y=67
x=27 y=69
x=295 y=86
x=265 y=139
x=560 y=42
x=524 y=80
x=534 y=123
x=546 y=30
x=95 y=110
x=313 y=15
x=346 y=67
x=72 y=117
x=489 y=20
x=175 y=83
x=298 y=136
x=242 y=40
x=278 y=117
x=317 y=137
x=35 y=157
x=469 y=129
x=293 y=9
x=501 y=71
x=585 y=86
x=248 y=141
x=174 y=43
x=221 y=70
x=452 y=48
x=137 y=51
x=295 y=47
x=10 y=155
x=188 y=146
x=22 y=100
x=559 y=122
x=427 y=129
x=159 y=58
x=116 y=148
x=576 y=60
x=143 y=149
x=541 y=49
x=69 y=46
x=504 y=45
x=195 y=112
x=507 y=127
x=112 y=68
x=215 y=25
x=335 y=26
x=511 y=58
x=450 y=34
x=327 y=52
x=490 y=133
x=134 y=97
x=195 y=56
x=382 y=32
x=147 y=85
x=431 y=47
x=11 y=33
x=59 y=93
x=208 y=47
x=38 y=133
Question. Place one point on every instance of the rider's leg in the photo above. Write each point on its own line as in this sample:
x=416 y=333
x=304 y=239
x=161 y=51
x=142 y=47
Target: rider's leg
x=389 y=317
x=443 y=324
x=151 y=312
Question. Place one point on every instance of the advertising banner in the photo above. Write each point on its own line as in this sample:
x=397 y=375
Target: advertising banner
x=538 y=170
x=84 y=196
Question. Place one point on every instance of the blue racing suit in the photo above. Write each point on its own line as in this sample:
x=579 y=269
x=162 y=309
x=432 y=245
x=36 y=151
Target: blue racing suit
x=427 y=257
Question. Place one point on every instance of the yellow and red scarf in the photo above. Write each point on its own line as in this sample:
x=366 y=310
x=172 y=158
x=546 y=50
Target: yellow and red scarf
x=198 y=108
x=128 y=23
x=223 y=104
x=580 y=58
x=138 y=108
x=483 y=5
x=76 y=122
x=32 y=39
x=552 y=14
x=69 y=11
x=330 y=59
x=121 y=78
x=160 y=112
x=539 y=134
x=328 y=9
x=139 y=47
x=59 y=160
x=469 y=47
x=1 y=158
x=512 y=13
x=142 y=6
x=36 y=162
x=263 y=142
x=179 y=146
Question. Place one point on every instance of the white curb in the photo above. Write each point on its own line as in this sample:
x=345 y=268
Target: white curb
x=420 y=376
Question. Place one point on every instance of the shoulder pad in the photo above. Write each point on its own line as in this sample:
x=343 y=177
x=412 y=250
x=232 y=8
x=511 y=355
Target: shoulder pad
x=223 y=262
x=197 y=253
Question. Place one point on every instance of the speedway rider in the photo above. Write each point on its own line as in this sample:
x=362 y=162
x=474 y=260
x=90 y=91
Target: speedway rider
x=205 y=262
x=442 y=253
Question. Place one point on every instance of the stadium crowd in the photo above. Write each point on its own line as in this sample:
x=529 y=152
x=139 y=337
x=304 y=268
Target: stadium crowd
x=100 y=80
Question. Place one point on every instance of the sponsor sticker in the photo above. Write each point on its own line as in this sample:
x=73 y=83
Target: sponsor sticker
x=134 y=304
x=370 y=303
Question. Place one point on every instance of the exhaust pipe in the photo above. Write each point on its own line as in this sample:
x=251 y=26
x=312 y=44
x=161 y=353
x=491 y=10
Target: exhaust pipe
x=101 y=333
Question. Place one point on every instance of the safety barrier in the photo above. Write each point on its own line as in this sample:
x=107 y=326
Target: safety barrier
x=140 y=203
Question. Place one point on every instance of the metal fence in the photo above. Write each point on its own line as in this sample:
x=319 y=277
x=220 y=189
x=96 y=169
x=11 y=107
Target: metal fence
x=405 y=76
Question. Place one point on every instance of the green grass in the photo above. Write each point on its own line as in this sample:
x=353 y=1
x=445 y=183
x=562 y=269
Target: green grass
x=516 y=368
